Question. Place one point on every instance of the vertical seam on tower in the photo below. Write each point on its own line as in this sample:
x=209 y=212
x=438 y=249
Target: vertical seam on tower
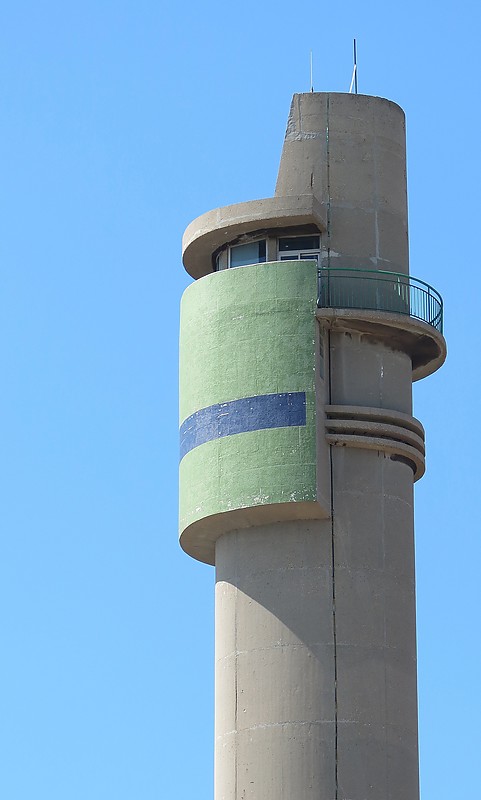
x=328 y=220
x=376 y=196
x=236 y=738
x=331 y=471
x=333 y=577
x=383 y=522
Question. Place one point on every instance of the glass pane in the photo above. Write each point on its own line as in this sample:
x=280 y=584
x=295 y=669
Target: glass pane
x=292 y=257
x=310 y=257
x=299 y=243
x=250 y=253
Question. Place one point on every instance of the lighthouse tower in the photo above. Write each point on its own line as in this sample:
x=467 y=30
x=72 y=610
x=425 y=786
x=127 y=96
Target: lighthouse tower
x=300 y=339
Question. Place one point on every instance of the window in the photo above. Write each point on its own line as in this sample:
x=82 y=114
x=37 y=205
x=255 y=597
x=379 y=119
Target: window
x=295 y=243
x=294 y=248
x=251 y=253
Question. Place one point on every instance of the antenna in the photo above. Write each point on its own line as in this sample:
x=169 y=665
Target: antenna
x=355 y=67
x=354 y=72
x=310 y=58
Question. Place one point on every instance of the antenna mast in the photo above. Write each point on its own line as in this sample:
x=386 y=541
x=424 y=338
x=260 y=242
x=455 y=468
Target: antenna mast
x=355 y=67
x=354 y=72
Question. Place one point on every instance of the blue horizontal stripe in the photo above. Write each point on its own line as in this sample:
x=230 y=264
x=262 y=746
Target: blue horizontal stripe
x=239 y=416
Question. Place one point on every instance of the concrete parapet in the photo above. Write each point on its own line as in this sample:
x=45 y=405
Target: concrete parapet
x=209 y=232
x=250 y=448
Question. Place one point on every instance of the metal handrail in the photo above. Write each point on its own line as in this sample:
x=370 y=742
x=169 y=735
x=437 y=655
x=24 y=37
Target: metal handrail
x=380 y=290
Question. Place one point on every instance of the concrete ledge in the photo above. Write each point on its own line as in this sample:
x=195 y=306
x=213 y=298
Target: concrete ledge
x=198 y=539
x=223 y=225
x=421 y=341
x=390 y=416
x=377 y=429
x=386 y=445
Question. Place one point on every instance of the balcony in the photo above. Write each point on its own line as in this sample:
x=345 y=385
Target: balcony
x=376 y=290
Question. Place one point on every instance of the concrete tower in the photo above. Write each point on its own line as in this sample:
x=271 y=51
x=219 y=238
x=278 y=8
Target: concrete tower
x=299 y=344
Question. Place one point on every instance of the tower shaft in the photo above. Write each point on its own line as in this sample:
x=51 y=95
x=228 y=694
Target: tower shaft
x=315 y=629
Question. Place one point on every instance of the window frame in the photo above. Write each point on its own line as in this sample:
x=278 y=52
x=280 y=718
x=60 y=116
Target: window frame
x=302 y=253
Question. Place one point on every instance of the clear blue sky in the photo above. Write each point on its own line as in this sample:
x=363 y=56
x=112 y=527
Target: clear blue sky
x=120 y=122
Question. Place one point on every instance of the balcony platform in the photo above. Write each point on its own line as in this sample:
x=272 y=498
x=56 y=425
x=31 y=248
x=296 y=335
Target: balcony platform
x=399 y=309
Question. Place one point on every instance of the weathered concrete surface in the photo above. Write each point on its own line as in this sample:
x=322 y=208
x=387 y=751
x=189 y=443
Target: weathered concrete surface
x=275 y=705
x=367 y=372
x=350 y=152
x=315 y=647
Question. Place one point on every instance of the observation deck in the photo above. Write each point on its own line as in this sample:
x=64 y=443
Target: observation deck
x=405 y=309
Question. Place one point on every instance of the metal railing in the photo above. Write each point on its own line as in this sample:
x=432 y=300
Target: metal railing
x=376 y=290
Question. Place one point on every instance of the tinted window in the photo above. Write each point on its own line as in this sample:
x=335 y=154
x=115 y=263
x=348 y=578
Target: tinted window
x=299 y=243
